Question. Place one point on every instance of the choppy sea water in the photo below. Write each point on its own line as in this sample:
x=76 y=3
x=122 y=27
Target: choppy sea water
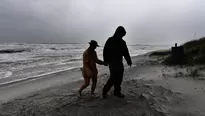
x=23 y=61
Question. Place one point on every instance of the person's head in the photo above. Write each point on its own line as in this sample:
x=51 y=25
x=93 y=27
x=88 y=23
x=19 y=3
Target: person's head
x=93 y=44
x=120 y=32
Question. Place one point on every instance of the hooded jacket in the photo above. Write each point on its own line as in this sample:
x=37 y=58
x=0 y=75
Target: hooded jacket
x=114 y=50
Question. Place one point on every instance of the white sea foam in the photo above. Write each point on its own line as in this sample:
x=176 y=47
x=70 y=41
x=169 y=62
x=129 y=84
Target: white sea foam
x=43 y=59
x=5 y=74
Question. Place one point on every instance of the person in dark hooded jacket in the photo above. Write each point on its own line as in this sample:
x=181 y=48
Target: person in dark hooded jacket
x=114 y=50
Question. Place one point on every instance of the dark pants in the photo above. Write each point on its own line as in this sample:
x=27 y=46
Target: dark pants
x=116 y=77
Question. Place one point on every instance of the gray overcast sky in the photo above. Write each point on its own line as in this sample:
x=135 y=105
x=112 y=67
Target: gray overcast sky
x=78 y=21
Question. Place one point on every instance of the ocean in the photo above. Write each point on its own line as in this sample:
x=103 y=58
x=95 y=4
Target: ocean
x=24 y=61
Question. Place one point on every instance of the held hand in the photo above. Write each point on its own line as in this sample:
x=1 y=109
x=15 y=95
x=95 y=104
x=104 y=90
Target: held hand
x=130 y=64
x=105 y=64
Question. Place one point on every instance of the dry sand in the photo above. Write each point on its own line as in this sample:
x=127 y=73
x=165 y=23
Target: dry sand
x=151 y=89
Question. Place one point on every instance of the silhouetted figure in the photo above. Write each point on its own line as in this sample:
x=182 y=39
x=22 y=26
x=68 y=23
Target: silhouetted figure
x=114 y=50
x=177 y=54
x=89 y=69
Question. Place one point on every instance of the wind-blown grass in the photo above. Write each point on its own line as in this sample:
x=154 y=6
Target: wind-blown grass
x=194 y=52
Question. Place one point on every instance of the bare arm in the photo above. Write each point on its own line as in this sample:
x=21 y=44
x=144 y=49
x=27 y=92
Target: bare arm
x=98 y=61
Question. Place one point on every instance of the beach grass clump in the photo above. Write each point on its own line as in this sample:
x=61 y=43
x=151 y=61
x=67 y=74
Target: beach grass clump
x=195 y=51
x=193 y=72
x=179 y=74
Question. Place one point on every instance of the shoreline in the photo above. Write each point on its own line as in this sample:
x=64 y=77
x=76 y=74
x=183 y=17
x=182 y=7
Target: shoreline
x=4 y=84
x=34 y=77
x=52 y=76
x=32 y=81
x=150 y=89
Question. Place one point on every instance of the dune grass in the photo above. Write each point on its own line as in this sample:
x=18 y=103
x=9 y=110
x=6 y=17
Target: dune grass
x=194 y=53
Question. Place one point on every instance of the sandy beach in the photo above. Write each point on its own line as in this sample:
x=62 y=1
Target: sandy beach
x=151 y=89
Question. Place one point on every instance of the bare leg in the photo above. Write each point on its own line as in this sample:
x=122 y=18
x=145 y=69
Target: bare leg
x=86 y=83
x=94 y=83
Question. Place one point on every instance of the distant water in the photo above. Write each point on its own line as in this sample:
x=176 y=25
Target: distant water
x=22 y=61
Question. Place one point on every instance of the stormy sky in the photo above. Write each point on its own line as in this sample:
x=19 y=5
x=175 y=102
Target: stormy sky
x=78 y=21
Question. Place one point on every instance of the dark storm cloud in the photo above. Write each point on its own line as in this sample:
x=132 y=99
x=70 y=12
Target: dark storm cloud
x=78 y=21
x=20 y=21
